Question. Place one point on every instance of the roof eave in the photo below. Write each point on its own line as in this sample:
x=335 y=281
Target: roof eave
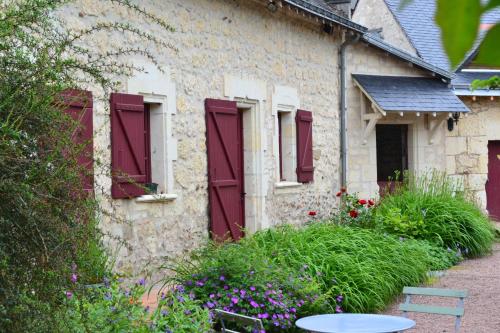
x=326 y=15
x=407 y=57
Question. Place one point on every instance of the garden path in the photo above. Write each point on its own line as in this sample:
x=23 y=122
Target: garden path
x=481 y=277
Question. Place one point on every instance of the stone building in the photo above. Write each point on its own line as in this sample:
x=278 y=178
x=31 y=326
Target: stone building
x=472 y=144
x=264 y=110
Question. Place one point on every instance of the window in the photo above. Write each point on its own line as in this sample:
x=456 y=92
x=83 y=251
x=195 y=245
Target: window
x=139 y=149
x=287 y=147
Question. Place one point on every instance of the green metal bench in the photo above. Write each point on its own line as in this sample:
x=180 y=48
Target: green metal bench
x=244 y=321
x=457 y=311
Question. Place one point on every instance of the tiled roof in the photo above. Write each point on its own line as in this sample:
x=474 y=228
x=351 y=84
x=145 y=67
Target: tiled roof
x=321 y=9
x=492 y=16
x=466 y=78
x=417 y=21
x=410 y=94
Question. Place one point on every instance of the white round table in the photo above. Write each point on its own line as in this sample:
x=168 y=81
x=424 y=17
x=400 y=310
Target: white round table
x=354 y=323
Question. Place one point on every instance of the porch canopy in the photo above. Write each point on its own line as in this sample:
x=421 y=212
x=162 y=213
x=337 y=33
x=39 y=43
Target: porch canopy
x=407 y=95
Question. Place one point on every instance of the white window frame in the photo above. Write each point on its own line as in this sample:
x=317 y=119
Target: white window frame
x=285 y=100
x=160 y=93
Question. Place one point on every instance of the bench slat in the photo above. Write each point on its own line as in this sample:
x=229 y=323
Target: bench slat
x=443 y=310
x=435 y=292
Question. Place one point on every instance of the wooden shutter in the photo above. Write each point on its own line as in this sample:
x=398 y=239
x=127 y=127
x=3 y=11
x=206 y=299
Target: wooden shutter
x=305 y=168
x=79 y=105
x=225 y=169
x=128 y=146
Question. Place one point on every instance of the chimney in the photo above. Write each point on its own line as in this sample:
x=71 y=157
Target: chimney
x=342 y=7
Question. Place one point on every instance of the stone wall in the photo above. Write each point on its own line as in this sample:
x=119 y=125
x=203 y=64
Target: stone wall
x=467 y=144
x=375 y=14
x=219 y=42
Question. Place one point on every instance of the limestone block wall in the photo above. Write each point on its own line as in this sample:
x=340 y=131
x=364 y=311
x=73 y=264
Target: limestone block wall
x=375 y=14
x=217 y=41
x=467 y=145
x=362 y=158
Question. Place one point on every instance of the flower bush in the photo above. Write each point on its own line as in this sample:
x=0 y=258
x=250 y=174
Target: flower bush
x=352 y=209
x=240 y=278
x=111 y=307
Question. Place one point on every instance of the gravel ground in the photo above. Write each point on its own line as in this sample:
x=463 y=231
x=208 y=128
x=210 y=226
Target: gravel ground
x=481 y=277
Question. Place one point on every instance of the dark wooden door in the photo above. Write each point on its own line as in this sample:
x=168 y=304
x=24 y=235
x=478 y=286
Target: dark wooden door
x=493 y=184
x=225 y=169
x=392 y=152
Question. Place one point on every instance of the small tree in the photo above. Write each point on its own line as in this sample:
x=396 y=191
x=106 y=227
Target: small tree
x=47 y=223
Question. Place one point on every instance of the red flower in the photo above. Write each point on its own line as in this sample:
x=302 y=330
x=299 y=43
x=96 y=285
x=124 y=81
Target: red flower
x=371 y=202
x=343 y=190
x=339 y=194
x=362 y=201
x=353 y=213
x=312 y=213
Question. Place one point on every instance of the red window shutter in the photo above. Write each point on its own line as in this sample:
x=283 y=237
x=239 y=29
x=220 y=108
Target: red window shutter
x=79 y=105
x=305 y=168
x=128 y=146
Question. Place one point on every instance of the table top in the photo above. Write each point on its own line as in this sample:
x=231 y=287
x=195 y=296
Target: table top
x=354 y=323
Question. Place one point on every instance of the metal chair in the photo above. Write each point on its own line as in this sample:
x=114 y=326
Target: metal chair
x=241 y=320
x=457 y=311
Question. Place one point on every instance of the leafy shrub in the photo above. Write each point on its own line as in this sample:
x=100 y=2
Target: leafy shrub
x=433 y=208
x=47 y=222
x=111 y=308
x=326 y=267
x=239 y=277
x=353 y=210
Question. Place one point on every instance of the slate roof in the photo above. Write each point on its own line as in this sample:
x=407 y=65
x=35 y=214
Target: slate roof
x=410 y=94
x=417 y=22
x=321 y=9
x=465 y=78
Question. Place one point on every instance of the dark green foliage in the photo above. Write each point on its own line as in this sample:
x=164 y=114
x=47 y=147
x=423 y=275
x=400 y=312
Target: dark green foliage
x=433 y=208
x=243 y=278
x=47 y=223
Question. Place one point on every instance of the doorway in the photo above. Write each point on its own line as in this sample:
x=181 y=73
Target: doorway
x=493 y=183
x=392 y=154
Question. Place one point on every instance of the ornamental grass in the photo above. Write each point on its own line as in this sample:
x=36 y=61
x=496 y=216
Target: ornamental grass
x=435 y=208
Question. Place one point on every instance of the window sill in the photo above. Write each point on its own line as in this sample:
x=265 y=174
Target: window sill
x=286 y=184
x=156 y=198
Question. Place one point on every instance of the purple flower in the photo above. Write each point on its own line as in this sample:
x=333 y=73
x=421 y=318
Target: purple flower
x=243 y=293
x=141 y=282
x=340 y=298
x=211 y=296
x=254 y=304
x=69 y=294
x=222 y=278
x=338 y=309
x=164 y=313
x=226 y=287
x=74 y=278
x=200 y=283
x=210 y=305
x=108 y=296
x=234 y=300
x=252 y=288
x=106 y=282
x=187 y=312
